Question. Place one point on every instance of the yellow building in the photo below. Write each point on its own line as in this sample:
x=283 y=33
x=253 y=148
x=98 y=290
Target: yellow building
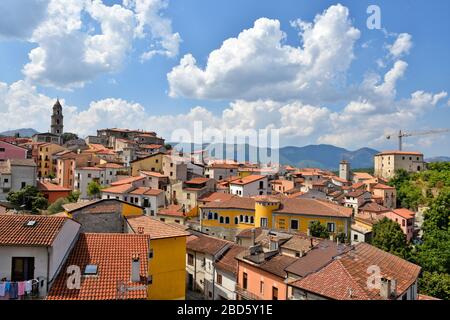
x=151 y=163
x=226 y=219
x=46 y=162
x=167 y=263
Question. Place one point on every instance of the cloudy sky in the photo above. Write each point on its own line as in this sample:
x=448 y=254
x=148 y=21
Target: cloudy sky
x=312 y=69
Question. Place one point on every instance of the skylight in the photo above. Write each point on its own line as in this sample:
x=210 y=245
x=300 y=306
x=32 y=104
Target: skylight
x=91 y=270
x=31 y=223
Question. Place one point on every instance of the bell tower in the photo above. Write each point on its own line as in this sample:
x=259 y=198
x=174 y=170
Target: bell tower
x=57 y=119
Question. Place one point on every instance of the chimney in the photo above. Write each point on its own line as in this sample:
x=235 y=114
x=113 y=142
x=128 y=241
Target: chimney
x=140 y=230
x=253 y=236
x=135 y=268
x=387 y=288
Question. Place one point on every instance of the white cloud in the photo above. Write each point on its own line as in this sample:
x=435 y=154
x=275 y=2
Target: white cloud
x=401 y=46
x=148 y=15
x=78 y=40
x=258 y=65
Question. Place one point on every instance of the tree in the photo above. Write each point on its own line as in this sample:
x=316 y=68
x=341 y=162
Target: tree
x=28 y=198
x=67 y=136
x=93 y=189
x=388 y=236
x=57 y=206
x=168 y=146
x=435 y=284
x=318 y=230
x=73 y=196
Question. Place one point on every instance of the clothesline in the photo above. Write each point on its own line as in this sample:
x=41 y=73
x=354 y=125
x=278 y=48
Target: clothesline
x=17 y=289
x=33 y=281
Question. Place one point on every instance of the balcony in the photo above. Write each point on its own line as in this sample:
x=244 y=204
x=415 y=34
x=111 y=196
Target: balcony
x=246 y=295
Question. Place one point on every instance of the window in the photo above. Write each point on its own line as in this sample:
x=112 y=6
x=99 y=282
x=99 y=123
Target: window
x=355 y=237
x=190 y=259
x=2 y=149
x=244 y=280
x=274 y=293
x=6 y=180
x=261 y=184
x=227 y=220
x=219 y=279
x=264 y=222
x=89 y=175
x=221 y=220
x=246 y=219
x=188 y=196
x=236 y=220
x=252 y=219
x=261 y=287
x=23 y=185
x=22 y=269
x=162 y=219
x=403 y=222
x=331 y=226
x=216 y=216
x=241 y=218
x=294 y=224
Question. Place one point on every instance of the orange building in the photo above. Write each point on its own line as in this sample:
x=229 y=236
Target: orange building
x=263 y=280
x=67 y=164
x=52 y=192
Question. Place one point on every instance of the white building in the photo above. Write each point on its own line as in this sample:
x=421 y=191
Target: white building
x=104 y=175
x=226 y=269
x=35 y=248
x=201 y=253
x=220 y=171
x=249 y=186
x=15 y=174
x=388 y=162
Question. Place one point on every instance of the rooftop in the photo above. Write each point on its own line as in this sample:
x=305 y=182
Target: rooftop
x=206 y=244
x=313 y=207
x=235 y=202
x=154 y=228
x=18 y=230
x=113 y=254
x=248 y=179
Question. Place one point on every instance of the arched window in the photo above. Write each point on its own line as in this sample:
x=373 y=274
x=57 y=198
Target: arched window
x=252 y=219
x=236 y=220
x=227 y=220
x=210 y=215
x=241 y=218
x=221 y=220
x=216 y=216
x=246 y=219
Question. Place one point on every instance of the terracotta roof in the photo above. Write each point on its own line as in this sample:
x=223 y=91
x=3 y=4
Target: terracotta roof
x=425 y=297
x=14 y=232
x=98 y=206
x=362 y=175
x=320 y=255
x=154 y=228
x=395 y=152
x=228 y=261
x=172 y=210
x=150 y=146
x=275 y=265
x=234 y=203
x=350 y=272
x=110 y=166
x=382 y=186
x=215 y=197
x=248 y=179
x=223 y=166
x=113 y=254
x=153 y=174
x=198 y=181
x=147 y=191
x=126 y=180
x=299 y=243
x=404 y=213
x=247 y=233
x=119 y=189
x=206 y=244
x=336 y=178
x=89 y=168
x=49 y=187
x=313 y=207
x=355 y=194
x=373 y=207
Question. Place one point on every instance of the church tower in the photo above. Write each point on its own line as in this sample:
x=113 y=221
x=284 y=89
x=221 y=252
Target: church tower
x=57 y=119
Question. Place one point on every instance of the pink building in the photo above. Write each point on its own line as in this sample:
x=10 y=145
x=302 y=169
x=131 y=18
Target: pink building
x=405 y=218
x=11 y=151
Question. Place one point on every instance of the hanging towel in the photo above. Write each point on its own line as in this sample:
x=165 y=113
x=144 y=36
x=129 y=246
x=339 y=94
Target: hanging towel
x=28 y=286
x=13 y=291
x=2 y=289
x=7 y=286
x=21 y=288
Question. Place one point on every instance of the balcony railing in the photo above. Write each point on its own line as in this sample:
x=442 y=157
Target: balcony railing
x=246 y=294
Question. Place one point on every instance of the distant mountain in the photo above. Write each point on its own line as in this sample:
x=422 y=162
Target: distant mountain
x=318 y=156
x=438 y=159
x=26 y=132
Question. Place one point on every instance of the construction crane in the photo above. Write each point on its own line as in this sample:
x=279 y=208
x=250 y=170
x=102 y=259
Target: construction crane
x=402 y=135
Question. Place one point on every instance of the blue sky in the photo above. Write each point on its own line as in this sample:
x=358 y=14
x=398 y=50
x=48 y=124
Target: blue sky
x=121 y=82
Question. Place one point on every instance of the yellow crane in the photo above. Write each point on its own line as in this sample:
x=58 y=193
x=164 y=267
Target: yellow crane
x=402 y=135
